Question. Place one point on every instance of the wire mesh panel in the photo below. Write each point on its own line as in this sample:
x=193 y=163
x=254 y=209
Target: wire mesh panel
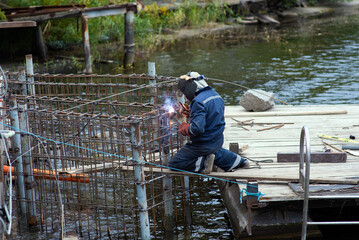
x=81 y=170
x=121 y=88
x=83 y=149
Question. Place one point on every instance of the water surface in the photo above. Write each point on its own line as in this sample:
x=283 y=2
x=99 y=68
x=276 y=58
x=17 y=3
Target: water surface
x=311 y=62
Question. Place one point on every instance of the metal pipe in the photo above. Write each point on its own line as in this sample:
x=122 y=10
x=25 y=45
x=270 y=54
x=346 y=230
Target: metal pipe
x=140 y=178
x=335 y=223
x=188 y=212
x=167 y=181
x=29 y=176
x=304 y=180
x=335 y=197
x=16 y=145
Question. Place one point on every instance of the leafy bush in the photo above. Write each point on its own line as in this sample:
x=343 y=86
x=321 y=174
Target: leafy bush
x=152 y=20
x=2 y=15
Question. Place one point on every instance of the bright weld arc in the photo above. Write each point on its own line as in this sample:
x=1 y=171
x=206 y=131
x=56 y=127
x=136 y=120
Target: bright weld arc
x=111 y=154
x=171 y=109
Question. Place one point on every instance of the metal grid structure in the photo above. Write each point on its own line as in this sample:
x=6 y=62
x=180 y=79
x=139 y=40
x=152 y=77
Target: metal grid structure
x=88 y=146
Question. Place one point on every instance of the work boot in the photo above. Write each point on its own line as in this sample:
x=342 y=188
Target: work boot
x=244 y=164
x=208 y=164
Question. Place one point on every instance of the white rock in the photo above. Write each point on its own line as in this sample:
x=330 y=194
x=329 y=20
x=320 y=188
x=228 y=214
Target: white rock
x=257 y=100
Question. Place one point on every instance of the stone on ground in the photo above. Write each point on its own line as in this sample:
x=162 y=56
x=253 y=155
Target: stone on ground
x=257 y=100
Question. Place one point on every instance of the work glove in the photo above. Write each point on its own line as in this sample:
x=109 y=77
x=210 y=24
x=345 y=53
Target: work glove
x=183 y=128
x=184 y=110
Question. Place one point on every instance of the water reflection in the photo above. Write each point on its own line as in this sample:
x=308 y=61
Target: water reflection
x=315 y=63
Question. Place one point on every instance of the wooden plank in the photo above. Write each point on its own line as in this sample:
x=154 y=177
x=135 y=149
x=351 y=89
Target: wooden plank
x=89 y=12
x=277 y=192
x=51 y=16
x=104 y=12
x=315 y=157
x=289 y=113
x=253 y=174
x=348 y=107
x=18 y=24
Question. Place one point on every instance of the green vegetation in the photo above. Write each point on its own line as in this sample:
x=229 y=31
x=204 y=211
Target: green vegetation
x=2 y=15
x=154 y=19
x=149 y=22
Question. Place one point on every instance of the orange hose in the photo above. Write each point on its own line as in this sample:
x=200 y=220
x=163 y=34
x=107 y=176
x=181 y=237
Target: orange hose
x=47 y=174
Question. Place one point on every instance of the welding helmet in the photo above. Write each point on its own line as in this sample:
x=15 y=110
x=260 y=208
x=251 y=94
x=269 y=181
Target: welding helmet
x=190 y=83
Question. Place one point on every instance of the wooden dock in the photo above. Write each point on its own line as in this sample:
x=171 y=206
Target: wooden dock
x=278 y=213
x=278 y=131
x=333 y=120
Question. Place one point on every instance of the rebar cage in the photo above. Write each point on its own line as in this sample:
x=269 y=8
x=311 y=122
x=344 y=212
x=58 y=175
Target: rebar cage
x=89 y=146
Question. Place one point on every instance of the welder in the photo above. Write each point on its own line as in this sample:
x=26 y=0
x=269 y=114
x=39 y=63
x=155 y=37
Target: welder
x=205 y=130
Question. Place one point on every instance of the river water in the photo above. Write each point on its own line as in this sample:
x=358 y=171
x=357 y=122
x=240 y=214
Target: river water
x=311 y=61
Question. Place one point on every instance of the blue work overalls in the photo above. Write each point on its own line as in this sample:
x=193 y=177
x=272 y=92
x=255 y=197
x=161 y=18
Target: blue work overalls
x=206 y=135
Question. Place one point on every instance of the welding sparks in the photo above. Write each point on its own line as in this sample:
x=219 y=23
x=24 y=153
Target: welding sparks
x=169 y=106
x=171 y=110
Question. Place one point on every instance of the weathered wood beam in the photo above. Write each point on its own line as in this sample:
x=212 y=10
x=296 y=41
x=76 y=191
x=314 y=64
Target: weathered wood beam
x=246 y=174
x=88 y=12
x=86 y=45
x=18 y=24
x=129 y=58
x=51 y=16
x=289 y=113
x=104 y=12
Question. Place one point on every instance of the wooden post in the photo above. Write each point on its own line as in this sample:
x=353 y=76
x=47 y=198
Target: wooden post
x=152 y=73
x=86 y=42
x=30 y=71
x=40 y=45
x=129 y=39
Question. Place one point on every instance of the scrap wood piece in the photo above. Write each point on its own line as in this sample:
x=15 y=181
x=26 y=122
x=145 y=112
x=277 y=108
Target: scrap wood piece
x=295 y=113
x=276 y=126
x=234 y=147
x=315 y=157
x=244 y=128
x=273 y=123
x=325 y=143
x=245 y=122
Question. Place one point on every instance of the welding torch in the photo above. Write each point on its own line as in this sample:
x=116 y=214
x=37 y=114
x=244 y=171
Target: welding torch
x=184 y=109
